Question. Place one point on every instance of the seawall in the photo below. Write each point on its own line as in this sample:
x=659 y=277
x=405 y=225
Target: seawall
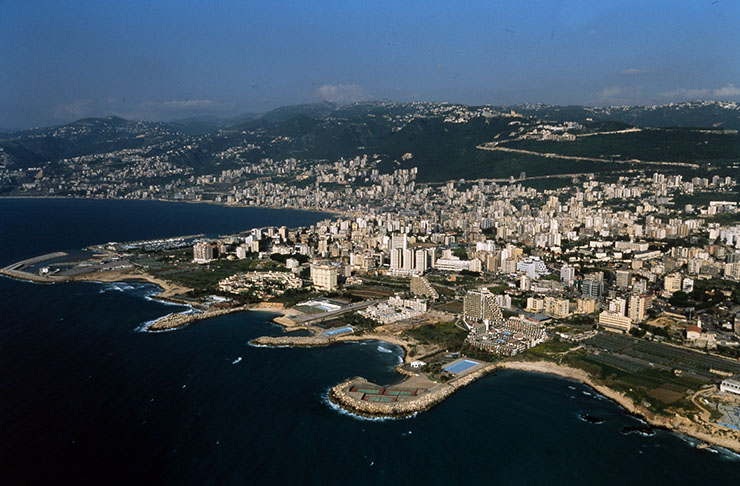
x=173 y=321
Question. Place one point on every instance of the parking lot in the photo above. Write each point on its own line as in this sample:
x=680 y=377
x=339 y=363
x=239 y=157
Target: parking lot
x=633 y=354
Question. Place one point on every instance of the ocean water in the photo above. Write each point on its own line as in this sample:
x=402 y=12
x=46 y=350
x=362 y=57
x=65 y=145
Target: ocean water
x=87 y=398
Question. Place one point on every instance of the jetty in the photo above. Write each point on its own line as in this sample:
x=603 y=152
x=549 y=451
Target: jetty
x=18 y=269
x=173 y=321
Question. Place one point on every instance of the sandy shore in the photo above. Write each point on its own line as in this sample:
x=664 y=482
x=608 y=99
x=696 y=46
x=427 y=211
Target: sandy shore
x=698 y=428
x=380 y=337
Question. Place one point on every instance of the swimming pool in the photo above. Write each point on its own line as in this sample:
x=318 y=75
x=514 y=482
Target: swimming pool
x=460 y=366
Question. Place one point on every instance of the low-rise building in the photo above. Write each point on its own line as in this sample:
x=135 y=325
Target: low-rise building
x=730 y=385
x=557 y=307
x=585 y=306
x=614 y=321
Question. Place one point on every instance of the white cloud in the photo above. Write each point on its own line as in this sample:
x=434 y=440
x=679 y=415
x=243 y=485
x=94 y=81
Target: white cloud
x=611 y=92
x=342 y=93
x=727 y=91
x=636 y=72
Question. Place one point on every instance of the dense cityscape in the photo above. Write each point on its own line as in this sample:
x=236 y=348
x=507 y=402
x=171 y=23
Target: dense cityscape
x=625 y=266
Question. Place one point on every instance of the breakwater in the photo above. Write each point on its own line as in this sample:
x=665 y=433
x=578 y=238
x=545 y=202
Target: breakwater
x=341 y=395
x=173 y=321
x=17 y=270
x=297 y=341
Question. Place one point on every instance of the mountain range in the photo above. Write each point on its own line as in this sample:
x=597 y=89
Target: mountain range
x=445 y=141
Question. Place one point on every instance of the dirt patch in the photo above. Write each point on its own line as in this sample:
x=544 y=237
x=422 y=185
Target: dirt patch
x=665 y=395
x=663 y=322
x=370 y=294
x=455 y=307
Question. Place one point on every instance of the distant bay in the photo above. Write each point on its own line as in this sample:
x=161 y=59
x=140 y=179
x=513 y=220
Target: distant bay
x=33 y=226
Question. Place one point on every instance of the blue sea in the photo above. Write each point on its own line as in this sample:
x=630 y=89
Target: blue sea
x=87 y=398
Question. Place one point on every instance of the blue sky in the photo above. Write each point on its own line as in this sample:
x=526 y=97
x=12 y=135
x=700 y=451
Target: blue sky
x=63 y=60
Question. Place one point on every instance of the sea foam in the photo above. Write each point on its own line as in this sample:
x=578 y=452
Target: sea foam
x=327 y=401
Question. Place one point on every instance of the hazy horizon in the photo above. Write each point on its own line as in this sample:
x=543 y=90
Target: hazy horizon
x=62 y=62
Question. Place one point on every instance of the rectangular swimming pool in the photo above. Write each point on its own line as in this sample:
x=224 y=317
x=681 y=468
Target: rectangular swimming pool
x=460 y=366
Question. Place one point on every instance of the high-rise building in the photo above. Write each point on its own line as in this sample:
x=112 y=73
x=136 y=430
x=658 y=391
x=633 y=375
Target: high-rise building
x=408 y=259
x=535 y=305
x=672 y=283
x=241 y=252
x=618 y=306
x=533 y=267
x=480 y=305
x=592 y=287
x=203 y=252
x=639 y=304
x=399 y=241
x=503 y=301
x=586 y=306
x=421 y=263
x=396 y=258
x=624 y=278
x=323 y=247
x=324 y=276
x=567 y=274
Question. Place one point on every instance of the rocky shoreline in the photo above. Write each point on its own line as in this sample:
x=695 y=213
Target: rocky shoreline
x=704 y=431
